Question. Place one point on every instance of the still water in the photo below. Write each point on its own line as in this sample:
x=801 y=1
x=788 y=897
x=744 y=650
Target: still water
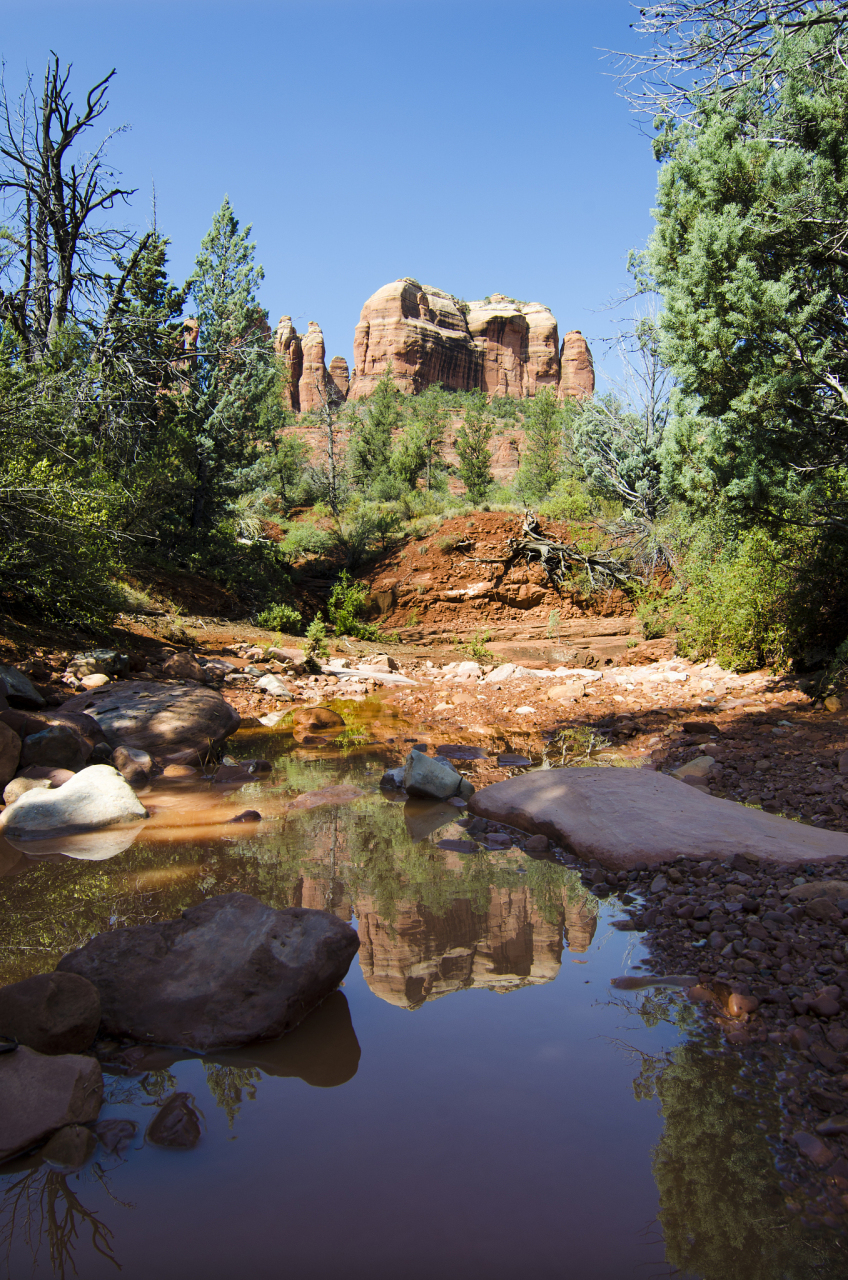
x=475 y=1101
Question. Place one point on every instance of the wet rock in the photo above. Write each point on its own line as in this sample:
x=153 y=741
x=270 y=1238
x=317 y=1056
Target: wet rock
x=56 y=747
x=624 y=816
x=20 y=691
x=179 y=771
x=393 y=778
x=161 y=719
x=343 y=793
x=313 y=719
x=431 y=776
x=133 y=764
x=176 y=1124
x=182 y=666
x=115 y=1135
x=18 y=786
x=41 y=1093
x=813 y=1148
x=232 y=775
x=249 y=815
x=69 y=1148
x=95 y=798
x=10 y=754
x=51 y=1012
x=228 y=971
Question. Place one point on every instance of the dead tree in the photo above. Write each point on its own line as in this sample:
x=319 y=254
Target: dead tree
x=54 y=240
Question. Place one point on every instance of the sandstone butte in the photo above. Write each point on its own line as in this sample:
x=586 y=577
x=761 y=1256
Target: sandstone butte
x=497 y=345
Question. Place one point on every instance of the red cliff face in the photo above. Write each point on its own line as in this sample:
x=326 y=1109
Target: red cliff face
x=497 y=345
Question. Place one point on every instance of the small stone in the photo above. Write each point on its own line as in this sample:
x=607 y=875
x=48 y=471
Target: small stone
x=18 y=786
x=182 y=666
x=658 y=885
x=95 y=681
x=537 y=844
x=249 y=815
x=813 y=1148
x=833 y=703
x=115 y=1134
x=740 y=1005
x=133 y=764
x=834 y=1126
x=825 y=1006
x=176 y=1124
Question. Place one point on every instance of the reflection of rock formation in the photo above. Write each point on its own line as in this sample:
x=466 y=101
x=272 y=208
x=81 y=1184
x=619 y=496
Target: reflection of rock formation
x=420 y=956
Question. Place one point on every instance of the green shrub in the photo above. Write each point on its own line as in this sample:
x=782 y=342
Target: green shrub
x=568 y=500
x=280 y=617
x=346 y=605
x=316 y=647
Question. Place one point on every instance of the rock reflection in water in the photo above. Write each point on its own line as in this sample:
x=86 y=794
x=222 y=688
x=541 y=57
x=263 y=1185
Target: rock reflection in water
x=422 y=955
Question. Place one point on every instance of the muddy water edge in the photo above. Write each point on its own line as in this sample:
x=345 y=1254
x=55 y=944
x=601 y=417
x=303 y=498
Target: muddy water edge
x=477 y=1099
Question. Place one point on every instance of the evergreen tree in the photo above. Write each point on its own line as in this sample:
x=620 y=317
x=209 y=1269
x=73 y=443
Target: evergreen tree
x=472 y=445
x=371 y=439
x=234 y=368
x=430 y=419
x=749 y=255
x=542 y=464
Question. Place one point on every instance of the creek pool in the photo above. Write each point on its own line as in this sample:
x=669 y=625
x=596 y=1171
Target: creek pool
x=477 y=1101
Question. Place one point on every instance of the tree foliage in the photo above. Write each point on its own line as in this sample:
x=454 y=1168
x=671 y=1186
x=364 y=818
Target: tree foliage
x=472 y=446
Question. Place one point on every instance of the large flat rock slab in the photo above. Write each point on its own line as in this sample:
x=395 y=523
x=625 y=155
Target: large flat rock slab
x=625 y=816
x=161 y=718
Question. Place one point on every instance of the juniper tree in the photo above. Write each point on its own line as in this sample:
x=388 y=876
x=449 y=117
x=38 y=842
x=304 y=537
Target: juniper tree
x=472 y=446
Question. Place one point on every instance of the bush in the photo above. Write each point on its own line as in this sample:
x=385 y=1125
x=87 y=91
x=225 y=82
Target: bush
x=280 y=617
x=316 y=646
x=346 y=605
x=568 y=500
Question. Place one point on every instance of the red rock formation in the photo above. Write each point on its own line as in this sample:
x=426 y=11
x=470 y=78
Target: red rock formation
x=577 y=376
x=287 y=344
x=314 y=381
x=340 y=375
x=501 y=346
x=422 y=335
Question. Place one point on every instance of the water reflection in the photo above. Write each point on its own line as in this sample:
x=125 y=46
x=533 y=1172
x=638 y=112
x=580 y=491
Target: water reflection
x=43 y=1209
x=722 y=1210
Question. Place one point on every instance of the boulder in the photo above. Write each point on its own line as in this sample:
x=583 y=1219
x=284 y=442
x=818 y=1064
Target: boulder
x=51 y=1012
x=176 y=1124
x=624 y=816
x=69 y=1148
x=94 y=798
x=697 y=768
x=311 y=719
x=99 y=662
x=18 y=786
x=568 y=691
x=274 y=685
x=10 y=754
x=183 y=666
x=133 y=764
x=160 y=718
x=56 y=747
x=430 y=776
x=40 y=1094
x=228 y=971
x=20 y=691
x=52 y=775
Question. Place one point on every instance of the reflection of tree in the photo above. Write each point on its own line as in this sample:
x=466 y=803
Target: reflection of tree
x=721 y=1208
x=40 y=1205
x=226 y=1085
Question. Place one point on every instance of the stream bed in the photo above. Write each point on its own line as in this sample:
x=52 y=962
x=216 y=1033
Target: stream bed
x=476 y=1101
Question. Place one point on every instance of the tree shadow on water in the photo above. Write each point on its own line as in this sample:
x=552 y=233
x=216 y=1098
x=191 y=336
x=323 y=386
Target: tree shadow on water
x=40 y=1209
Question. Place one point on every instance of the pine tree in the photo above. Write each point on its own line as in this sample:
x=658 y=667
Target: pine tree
x=371 y=439
x=235 y=363
x=542 y=464
x=472 y=445
x=430 y=419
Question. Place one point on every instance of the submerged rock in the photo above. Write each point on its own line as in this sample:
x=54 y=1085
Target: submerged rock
x=622 y=817
x=133 y=764
x=312 y=718
x=70 y=1147
x=40 y=1093
x=228 y=971
x=51 y=1012
x=176 y=1124
x=94 y=798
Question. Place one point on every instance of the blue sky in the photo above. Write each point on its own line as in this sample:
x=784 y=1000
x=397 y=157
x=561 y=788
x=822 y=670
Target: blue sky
x=476 y=145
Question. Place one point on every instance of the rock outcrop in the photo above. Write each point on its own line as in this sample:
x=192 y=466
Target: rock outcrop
x=497 y=345
x=309 y=382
